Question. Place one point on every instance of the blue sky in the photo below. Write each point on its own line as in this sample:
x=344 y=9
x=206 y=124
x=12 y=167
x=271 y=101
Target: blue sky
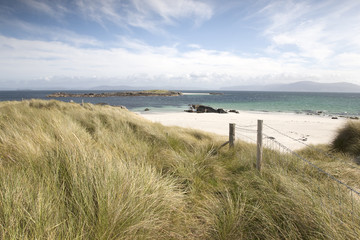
x=177 y=43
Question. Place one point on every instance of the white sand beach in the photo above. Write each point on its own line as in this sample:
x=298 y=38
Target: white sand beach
x=306 y=129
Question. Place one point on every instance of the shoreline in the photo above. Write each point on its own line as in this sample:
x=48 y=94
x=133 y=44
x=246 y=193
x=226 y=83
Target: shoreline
x=180 y=109
x=294 y=130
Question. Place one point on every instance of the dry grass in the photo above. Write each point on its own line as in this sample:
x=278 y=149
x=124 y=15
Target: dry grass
x=348 y=139
x=101 y=172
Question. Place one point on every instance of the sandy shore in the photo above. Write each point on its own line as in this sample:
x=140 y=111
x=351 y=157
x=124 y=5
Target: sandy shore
x=306 y=129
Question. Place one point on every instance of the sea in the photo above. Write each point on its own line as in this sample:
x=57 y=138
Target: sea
x=347 y=104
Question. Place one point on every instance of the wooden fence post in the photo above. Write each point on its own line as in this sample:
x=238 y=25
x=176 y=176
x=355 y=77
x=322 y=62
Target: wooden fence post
x=259 y=145
x=231 y=135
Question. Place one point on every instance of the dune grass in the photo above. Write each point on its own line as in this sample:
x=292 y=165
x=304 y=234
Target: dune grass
x=348 y=139
x=101 y=172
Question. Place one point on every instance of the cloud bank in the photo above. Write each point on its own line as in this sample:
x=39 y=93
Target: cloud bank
x=301 y=40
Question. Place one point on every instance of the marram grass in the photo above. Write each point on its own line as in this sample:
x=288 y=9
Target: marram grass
x=101 y=172
x=348 y=139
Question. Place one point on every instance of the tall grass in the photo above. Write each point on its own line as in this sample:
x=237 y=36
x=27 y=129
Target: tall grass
x=101 y=172
x=348 y=139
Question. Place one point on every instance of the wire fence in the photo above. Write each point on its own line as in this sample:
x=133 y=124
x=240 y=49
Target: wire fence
x=246 y=133
x=302 y=141
x=340 y=200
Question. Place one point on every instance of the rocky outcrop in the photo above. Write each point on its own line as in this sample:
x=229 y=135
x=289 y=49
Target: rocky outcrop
x=220 y=110
x=204 y=109
x=162 y=93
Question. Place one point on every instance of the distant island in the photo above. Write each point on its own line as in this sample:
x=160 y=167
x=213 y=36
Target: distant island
x=162 y=93
x=303 y=86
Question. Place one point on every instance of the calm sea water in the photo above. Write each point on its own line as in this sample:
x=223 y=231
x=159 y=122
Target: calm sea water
x=330 y=103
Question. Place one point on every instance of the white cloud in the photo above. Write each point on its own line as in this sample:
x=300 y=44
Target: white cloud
x=51 y=33
x=319 y=31
x=50 y=8
x=159 y=65
x=101 y=11
x=150 y=15
x=309 y=40
x=349 y=60
x=173 y=10
x=195 y=46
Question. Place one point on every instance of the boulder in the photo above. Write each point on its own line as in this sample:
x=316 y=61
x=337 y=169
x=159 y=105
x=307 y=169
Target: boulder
x=220 y=110
x=204 y=109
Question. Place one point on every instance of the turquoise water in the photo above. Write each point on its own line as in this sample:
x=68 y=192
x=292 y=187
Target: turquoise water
x=329 y=103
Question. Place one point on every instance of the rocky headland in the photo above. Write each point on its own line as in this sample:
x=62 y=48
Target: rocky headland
x=162 y=93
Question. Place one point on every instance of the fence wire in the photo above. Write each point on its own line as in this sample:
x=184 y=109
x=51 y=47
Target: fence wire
x=343 y=199
x=312 y=147
x=246 y=133
x=337 y=194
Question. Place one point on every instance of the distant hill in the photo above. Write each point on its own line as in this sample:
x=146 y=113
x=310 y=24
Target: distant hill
x=303 y=86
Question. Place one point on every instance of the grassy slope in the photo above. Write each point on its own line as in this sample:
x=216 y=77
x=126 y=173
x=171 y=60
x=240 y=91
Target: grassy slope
x=101 y=172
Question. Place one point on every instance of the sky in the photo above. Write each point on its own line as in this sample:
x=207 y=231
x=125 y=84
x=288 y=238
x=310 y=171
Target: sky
x=177 y=44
